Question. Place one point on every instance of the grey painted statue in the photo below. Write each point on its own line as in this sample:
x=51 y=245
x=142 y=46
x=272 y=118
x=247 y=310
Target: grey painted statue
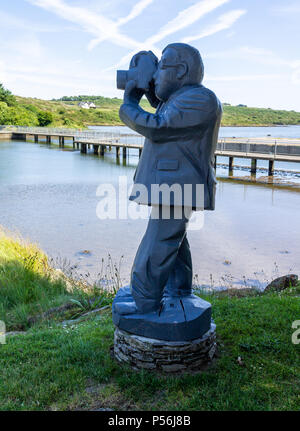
x=179 y=149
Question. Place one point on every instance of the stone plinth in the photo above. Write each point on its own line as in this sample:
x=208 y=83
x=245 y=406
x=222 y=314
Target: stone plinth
x=165 y=356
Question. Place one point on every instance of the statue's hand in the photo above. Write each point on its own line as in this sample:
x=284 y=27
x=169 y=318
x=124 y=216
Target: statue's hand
x=133 y=94
x=151 y=96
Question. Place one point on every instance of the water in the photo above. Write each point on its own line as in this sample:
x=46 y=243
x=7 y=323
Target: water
x=49 y=196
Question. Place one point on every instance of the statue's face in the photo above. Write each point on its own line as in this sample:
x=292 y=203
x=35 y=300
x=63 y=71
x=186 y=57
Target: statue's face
x=165 y=78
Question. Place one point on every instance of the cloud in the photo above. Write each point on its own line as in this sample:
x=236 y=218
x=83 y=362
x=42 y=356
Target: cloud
x=186 y=17
x=27 y=46
x=183 y=19
x=296 y=77
x=104 y=28
x=256 y=55
x=134 y=13
x=295 y=64
x=253 y=54
x=96 y=24
x=3 y=72
x=223 y=23
x=288 y=8
x=244 y=77
x=9 y=20
x=263 y=56
x=59 y=73
x=52 y=81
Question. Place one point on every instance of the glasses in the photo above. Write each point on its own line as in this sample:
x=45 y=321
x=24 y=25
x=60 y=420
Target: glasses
x=165 y=66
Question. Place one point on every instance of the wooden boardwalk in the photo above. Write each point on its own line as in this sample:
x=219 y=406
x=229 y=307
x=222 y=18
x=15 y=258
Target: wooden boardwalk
x=271 y=149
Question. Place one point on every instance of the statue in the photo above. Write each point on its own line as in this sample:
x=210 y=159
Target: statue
x=179 y=148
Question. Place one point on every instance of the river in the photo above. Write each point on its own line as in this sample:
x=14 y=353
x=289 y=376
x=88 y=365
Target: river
x=49 y=196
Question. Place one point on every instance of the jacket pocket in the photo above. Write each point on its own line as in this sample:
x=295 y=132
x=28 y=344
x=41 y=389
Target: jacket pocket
x=167 y=165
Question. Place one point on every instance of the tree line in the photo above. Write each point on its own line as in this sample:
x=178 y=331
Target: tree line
x=12 y=113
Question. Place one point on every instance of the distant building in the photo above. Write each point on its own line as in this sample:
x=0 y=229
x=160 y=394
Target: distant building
x=83 y=105
x=87 y=105
x=242 y=106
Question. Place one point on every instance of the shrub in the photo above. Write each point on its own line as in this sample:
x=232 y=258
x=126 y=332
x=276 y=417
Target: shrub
x=3 y=112
x=15 y=115
x=45 y=118
x=6 y=96
x=32 y=108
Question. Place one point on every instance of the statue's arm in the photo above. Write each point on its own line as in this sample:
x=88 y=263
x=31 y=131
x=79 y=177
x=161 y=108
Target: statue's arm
x=187 y=111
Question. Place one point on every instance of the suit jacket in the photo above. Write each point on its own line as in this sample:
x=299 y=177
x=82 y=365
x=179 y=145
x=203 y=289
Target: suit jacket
x=181 y=139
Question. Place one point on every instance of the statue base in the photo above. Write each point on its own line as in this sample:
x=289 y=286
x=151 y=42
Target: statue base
x=165 y=356
x=180 y=318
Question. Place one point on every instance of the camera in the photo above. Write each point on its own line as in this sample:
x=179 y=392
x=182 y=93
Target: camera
x=142 y=67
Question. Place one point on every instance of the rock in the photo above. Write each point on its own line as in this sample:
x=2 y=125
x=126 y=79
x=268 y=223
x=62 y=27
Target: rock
x=95 y=311
x=240 y=361
x=282 y=283
x=173 y=368
x=95 y=389
x=84 y=253
x=212 y=351
x=83 y=316
x=49 y=313
x=102 y=410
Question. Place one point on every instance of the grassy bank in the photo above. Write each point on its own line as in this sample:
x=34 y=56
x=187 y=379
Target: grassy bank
x=67 y=113
x=57 y=367
x=30 y=287
x=36 y=112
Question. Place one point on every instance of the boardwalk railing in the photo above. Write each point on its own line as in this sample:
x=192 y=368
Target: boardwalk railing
x=271 y=146
x=48 y=131
x=266 y=146
x=93 y=136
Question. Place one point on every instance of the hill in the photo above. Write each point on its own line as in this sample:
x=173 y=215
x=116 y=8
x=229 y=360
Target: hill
x=65 y=112
x=246 y=116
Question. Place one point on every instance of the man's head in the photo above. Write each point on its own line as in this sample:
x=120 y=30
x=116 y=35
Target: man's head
x=180 y=65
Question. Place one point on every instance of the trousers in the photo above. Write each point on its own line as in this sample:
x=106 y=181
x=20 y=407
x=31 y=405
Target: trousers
x=163 y=263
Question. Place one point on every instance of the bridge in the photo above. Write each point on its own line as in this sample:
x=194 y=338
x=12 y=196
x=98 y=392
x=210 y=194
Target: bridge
x=270 y=149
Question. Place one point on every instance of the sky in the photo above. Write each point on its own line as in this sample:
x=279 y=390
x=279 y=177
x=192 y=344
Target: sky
x=55 y=48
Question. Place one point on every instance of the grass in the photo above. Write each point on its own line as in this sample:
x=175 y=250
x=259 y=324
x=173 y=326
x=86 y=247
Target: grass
x=54 y=367
x=67 y=113
x=247 y=116
x=29 y=286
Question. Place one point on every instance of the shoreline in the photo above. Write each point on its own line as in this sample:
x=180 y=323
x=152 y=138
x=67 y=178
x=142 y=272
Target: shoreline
x=226 y=125
x=3 y=126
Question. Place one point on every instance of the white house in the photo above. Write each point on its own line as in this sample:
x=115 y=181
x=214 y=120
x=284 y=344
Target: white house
x=87 y=105
x=83 y=105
